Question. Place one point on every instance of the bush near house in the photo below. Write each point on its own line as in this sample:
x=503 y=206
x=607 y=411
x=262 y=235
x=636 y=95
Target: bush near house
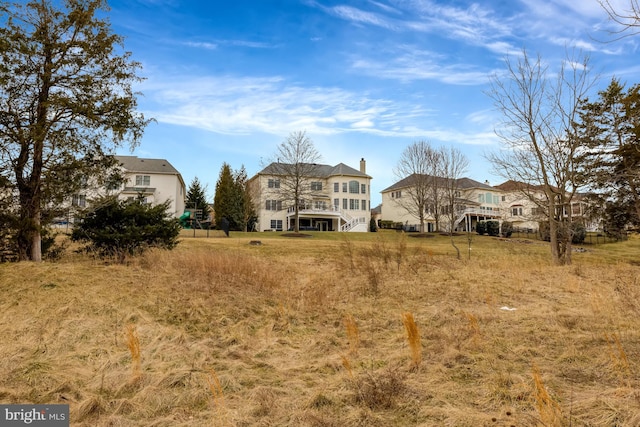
x=126 y=228
x=493 y=228
x=507 y=229
x=578 y=232
x=481 y=228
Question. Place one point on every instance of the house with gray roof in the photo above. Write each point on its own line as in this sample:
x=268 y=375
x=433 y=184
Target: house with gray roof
x=156 y=180
x=335 y=198
x=475 y=201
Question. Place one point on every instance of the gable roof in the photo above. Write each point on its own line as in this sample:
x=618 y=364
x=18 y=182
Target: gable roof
x=463 y=183
x=322 y=171
x=512 y=185
x=137 y=164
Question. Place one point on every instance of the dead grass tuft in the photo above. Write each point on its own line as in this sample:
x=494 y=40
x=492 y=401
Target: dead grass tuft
x=353 y=335
x=619 y=360
x=380 y=390
x=133 y=343
x=413 y=339
x=548 y=409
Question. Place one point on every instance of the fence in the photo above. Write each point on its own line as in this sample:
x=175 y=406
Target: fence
x=590 y=239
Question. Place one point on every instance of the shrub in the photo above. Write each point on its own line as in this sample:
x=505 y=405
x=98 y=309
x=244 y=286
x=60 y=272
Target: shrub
x=481 y=227
x=579 y=232
x=493 y=228
x=544 y=232
x=386 y=224
x=507 y=229
x=126 y=228
x=372 y=225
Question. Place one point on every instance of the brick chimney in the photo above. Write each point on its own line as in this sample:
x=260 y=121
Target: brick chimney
x=363 y=165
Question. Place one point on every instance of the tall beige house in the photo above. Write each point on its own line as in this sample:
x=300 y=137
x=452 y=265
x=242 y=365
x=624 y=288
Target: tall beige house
x=338 y=198
x=475 y=202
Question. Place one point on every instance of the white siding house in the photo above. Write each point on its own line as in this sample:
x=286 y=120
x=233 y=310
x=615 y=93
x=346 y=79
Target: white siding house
x=338 y=199
x=475 y=202
x=154 y=179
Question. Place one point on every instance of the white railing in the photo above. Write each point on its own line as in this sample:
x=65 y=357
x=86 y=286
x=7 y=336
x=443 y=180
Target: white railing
x=349 y=221
x=348 y=226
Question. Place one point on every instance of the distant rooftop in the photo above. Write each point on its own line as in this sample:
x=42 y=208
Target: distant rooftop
x=137 y=164
x=321 y=171
x=463 y=183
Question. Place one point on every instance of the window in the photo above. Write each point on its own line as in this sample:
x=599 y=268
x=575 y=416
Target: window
x=143 y=180
x=354 y=204
x=320 y=205
x=336 y=203
x=276 y=224
x=576 y=209
x=480 y=198
x=504 y=198
x=516 y=211
x=345 y=204
x=316 y=186
x=274 y=183
x=79 y=200
x=396 y=194
x=496 y=200
x=344 y=187
x=354 y=187
x=364 y=205
x=336 y=187
x=489 y=198
x=273 y=205
x=363 y=188
x=536 y=211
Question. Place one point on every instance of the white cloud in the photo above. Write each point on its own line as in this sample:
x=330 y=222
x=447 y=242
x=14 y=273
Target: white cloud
x=270 y=105
x=353 y=14
x=420 y=65
x=202 y=45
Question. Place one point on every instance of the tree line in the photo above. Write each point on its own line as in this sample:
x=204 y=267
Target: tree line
x=233 y=202
x=67 y=102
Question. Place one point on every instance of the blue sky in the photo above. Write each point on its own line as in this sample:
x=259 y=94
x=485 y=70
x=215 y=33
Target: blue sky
x=229 y=81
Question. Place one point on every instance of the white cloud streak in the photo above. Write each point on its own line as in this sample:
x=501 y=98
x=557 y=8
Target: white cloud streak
x=270 y=105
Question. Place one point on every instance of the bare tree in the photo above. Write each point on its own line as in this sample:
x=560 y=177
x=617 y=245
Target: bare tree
x=454 y=165
x=540 y=146
x=628 y=19
x=295 y=166
x=417 y=172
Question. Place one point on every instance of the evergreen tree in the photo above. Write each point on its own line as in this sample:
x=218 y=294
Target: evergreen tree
x=244 y=201
x=233 y=199
x=66 y=100
x=224 y=200
x=197 y=197
x=610 y=132
x=122 y=228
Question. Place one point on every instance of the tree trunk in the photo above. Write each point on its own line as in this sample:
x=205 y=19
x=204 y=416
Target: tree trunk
x=454 y=244
x=36 y=239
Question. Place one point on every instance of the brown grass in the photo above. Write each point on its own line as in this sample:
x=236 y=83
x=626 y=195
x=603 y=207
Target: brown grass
x=549 y=410
x=353 y=335
x=413 y=339
x=244 y=335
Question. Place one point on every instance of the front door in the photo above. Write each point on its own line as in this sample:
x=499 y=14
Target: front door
x=322 y=225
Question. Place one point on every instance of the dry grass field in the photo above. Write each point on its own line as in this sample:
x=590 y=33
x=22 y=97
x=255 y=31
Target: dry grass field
x=376 y=329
